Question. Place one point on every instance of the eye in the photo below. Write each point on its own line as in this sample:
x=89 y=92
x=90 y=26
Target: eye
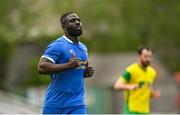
x=72 y=20
x=79 y=20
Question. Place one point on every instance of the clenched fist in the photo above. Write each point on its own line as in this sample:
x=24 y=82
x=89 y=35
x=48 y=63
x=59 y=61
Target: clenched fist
x=74 y=62
x=89 y=72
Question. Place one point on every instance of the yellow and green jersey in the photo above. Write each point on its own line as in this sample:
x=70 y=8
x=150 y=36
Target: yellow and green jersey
x=138 y=101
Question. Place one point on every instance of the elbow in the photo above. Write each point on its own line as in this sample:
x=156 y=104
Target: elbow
x=116 y=86
x=41 y=69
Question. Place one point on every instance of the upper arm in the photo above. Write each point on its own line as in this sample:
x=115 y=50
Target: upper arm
x=42 y=59
x=42 y=62
x=125 y=78
x=154 y=77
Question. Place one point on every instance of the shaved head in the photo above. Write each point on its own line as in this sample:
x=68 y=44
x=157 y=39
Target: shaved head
x=63 y=18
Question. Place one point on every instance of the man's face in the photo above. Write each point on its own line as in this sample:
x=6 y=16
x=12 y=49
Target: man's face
x=145 y=57
x=73 y=25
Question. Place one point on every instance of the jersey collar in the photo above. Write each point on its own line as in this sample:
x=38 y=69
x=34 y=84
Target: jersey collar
x=67 y=39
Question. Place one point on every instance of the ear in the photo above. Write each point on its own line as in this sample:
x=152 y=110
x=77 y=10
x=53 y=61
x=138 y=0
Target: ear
x=63 y=26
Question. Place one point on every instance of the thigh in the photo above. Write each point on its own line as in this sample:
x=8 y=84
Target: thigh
x=78 y=110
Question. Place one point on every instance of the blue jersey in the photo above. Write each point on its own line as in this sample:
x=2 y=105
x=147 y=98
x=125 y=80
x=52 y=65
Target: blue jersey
x=66 y=88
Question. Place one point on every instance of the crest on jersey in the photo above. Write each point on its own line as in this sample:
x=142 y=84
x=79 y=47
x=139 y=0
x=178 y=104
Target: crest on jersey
x=72 y=52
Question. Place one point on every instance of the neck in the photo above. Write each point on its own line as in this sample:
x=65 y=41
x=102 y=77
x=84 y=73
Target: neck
x=72 y=38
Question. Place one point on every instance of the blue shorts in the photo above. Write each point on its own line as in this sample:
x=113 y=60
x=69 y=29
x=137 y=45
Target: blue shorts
x=66 y=110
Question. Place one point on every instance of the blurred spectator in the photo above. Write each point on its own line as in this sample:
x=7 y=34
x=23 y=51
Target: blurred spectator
x=177 y=99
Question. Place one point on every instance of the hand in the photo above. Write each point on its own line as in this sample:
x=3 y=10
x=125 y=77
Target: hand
x=74 y=62
x=156 y=94
x=89 y=72
x=133 y=87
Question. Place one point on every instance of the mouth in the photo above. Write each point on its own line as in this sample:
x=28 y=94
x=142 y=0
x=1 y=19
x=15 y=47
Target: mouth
x=78 y=27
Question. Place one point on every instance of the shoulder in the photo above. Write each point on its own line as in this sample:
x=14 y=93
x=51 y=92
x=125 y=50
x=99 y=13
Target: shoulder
x=59 y=42
x=131 y=67
x=152 y=70
x=82 y=44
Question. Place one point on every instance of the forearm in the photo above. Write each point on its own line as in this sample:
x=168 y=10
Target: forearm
x=49 y=68
x=89 y=72
x=153 y=93
x=122 y=86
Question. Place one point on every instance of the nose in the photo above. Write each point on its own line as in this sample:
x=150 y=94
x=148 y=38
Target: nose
x=78 y=23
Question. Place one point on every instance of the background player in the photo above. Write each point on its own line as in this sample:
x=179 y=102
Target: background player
x=136 y=82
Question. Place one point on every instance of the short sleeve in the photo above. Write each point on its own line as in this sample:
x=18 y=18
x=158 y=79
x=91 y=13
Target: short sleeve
x=154 y=75
x=126 y=77
x=53 y=52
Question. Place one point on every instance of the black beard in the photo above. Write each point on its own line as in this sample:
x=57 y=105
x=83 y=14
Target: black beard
x=145 y=64
x=74 y=32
